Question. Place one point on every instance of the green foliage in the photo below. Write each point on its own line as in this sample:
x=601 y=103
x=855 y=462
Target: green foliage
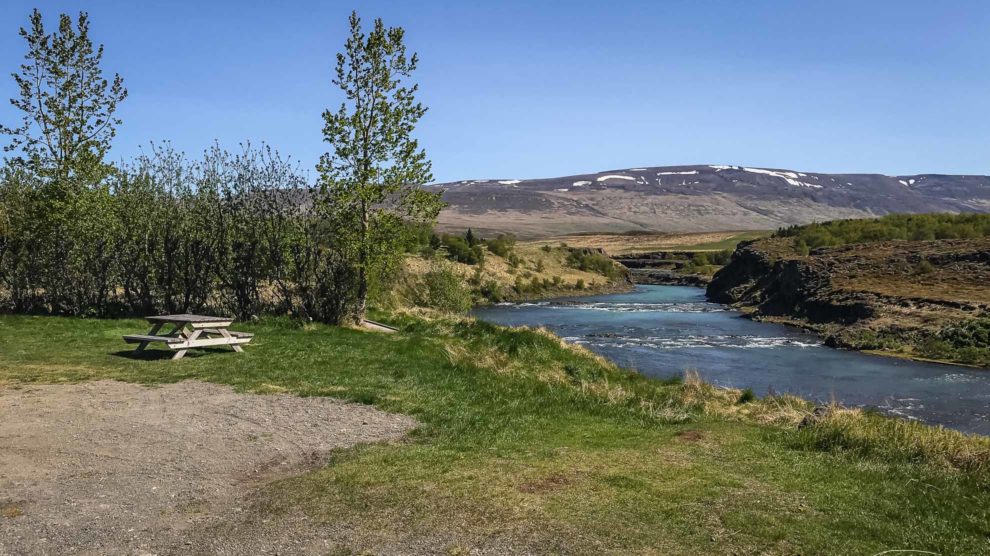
x=514 y=261
x=546 y=248
x=579 y=284
x=746 y=396
x=442 y=288
x=967 y=343
x=720 y=258
x=589 y=260
x=458 y=250
x=502 y=245
x=975 y=333
x=166 y=234
x=491 y=291
x=369 y=180
x=887 y=228
x=68 y=108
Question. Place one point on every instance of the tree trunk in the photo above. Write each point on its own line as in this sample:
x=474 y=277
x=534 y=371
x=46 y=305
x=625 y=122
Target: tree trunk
x=362 y=294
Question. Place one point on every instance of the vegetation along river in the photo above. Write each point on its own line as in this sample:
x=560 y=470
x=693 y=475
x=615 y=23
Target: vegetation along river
x=664 y=330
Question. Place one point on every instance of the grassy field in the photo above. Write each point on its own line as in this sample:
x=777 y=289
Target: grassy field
x=624 y=244
x=533 y=445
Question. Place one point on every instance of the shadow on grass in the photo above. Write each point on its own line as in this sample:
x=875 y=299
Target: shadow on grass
x=161 y=354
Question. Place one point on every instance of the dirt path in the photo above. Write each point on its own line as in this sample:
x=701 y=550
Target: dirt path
x=114 y=468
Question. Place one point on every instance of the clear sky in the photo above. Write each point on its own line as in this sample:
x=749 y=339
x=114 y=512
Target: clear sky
x=523 y=89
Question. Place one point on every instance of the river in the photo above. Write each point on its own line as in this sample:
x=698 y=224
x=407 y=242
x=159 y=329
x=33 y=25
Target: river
x=663 y=330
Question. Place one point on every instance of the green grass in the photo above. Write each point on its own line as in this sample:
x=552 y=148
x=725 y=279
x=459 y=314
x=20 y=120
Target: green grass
x=529 y=444
x=727 y=243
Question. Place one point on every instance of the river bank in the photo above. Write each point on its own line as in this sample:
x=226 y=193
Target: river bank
x=664 y=330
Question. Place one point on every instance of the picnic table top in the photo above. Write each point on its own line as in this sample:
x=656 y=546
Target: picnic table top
x=185 y=317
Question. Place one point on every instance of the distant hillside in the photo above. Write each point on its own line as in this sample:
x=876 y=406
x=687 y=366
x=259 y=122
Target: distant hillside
x=698 y=199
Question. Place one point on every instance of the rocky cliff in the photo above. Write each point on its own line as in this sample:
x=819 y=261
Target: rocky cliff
x=906 y=297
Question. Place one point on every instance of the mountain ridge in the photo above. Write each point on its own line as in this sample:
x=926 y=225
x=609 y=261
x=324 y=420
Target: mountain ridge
x=697 y=198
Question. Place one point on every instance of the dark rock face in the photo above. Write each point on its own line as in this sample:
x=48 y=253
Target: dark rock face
x=661 y=277
x=784 y=287
x=868 y=296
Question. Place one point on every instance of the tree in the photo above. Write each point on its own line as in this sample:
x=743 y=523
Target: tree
x=68 y=106
x=369 y=181
x=469 y=237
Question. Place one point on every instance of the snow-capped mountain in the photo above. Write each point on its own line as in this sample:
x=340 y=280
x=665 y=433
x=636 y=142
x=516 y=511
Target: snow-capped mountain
x=698 y=198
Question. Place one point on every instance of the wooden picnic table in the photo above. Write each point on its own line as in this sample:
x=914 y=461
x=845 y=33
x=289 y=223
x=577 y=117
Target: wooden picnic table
x=190 y=331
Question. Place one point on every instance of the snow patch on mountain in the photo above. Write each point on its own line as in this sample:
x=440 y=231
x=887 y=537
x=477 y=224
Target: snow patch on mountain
x=615 y=177
x=789 y=177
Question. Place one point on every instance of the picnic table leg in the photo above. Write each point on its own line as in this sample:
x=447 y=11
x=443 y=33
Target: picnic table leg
x=154 y=330
x=188 y=337
x=223 y=332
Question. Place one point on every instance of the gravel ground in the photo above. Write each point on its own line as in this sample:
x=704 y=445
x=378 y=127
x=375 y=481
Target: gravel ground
x=115 y=468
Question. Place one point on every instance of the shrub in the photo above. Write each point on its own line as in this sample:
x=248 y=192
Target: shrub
x=459 y=250
x=579 y=284
x=442 y=288
x=491 y=290
x=501 y=245
x=746 y=396
x=592 y=261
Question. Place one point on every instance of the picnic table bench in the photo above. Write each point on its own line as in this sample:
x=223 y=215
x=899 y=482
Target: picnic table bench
x=190 y=331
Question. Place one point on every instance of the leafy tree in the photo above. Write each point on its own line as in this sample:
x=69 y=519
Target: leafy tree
x=470 y=238
x=69 y=108
x=369 y=180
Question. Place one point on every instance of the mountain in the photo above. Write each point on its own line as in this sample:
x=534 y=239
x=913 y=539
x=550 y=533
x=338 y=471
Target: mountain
x=697 y=199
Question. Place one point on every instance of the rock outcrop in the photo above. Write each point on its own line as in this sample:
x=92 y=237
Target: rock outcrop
x=897 y=297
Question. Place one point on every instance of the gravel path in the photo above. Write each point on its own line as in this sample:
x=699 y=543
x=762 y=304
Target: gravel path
x=115 y=468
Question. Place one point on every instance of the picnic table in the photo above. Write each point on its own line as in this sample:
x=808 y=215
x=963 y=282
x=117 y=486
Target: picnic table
x=190 y=331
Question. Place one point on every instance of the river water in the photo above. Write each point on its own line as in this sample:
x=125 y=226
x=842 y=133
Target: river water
x=664 y=330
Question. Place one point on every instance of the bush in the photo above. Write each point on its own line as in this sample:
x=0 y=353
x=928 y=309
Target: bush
x=502 y=245
x=458 y=250
x=579 y=284
x=592 y=261
x=746 y=396
x=491 y=291
x=443 y=289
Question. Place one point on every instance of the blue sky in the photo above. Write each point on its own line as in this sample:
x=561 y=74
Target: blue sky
x=541 y=89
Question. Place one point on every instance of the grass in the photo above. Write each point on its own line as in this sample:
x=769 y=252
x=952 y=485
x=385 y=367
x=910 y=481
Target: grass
x=530 y=444
x=727 y=243
x=624 y=244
